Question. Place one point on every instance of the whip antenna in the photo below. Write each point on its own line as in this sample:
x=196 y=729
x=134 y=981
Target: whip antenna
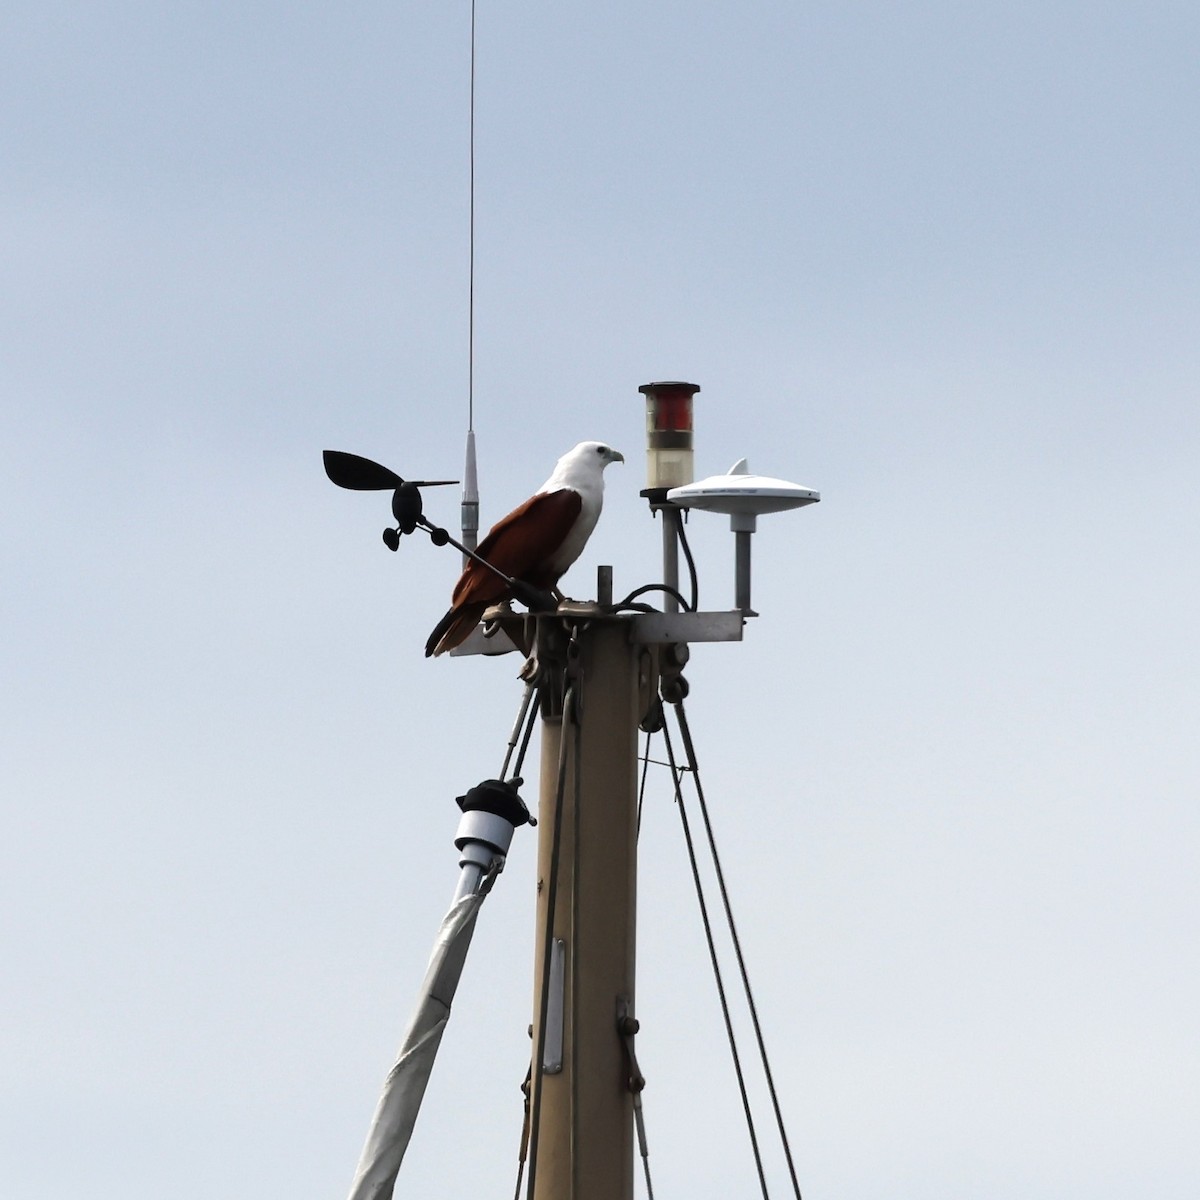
x=470 y=494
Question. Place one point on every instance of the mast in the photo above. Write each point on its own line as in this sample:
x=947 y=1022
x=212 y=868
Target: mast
x=581 y=1144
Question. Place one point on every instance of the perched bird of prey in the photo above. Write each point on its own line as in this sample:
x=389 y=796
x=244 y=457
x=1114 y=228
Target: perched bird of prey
x=535 y=543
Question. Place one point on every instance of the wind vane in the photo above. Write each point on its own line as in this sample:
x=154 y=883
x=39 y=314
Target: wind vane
x=360 y=474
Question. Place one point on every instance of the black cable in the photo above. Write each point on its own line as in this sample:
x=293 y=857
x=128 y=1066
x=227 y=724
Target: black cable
x=633 y=606
x=652 y=587
x=690 y=750
x=716 y=966
x=691 y=562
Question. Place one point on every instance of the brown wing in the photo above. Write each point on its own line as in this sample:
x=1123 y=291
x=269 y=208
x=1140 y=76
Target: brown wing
x=521 y=546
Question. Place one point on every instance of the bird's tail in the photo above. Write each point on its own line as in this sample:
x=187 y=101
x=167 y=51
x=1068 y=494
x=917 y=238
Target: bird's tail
x=454 y=628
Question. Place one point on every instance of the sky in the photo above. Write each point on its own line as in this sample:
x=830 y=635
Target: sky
x=936 y=260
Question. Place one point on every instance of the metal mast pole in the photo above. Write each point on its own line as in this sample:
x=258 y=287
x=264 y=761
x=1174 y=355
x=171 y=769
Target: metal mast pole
x=582 y=1145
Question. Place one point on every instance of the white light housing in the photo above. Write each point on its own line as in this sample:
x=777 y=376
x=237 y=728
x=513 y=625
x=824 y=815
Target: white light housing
x=668 y=433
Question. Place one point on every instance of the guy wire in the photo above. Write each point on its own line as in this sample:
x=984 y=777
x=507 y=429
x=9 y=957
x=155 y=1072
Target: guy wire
x=676 y=775
x=690 y=753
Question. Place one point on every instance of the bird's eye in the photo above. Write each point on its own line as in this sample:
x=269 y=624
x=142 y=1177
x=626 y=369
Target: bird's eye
x=601 y=449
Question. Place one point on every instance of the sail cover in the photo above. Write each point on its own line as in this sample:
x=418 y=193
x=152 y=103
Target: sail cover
x=396 y=1113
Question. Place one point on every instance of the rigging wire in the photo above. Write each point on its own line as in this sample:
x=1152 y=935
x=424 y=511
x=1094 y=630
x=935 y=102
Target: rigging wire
x=639 y=1119
x=523 y=724
x=690 y=751
x=716 y=966
x=529 y=724
x=524 y=1150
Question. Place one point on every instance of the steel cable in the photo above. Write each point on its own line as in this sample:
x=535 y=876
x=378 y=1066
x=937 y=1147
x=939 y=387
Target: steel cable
x=693 y=766
x=716 y=966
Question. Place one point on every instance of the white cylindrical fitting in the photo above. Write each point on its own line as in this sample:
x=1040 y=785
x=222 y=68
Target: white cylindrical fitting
x=480 y=826
x=482 y=838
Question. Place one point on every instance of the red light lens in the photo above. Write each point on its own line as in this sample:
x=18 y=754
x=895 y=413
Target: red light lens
x=673 y=412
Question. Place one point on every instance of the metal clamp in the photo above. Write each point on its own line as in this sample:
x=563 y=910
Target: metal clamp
x=627 y=1026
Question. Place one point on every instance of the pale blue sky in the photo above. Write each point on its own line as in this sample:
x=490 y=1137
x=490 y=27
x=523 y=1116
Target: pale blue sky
x=937 y=260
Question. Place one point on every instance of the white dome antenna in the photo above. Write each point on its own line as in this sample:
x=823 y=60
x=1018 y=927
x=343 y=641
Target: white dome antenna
x=744 y=497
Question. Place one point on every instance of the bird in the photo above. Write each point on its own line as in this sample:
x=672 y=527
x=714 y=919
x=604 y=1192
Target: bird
x=535 y=543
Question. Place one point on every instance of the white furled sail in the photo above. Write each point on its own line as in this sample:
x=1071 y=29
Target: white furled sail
x=396 y=1113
